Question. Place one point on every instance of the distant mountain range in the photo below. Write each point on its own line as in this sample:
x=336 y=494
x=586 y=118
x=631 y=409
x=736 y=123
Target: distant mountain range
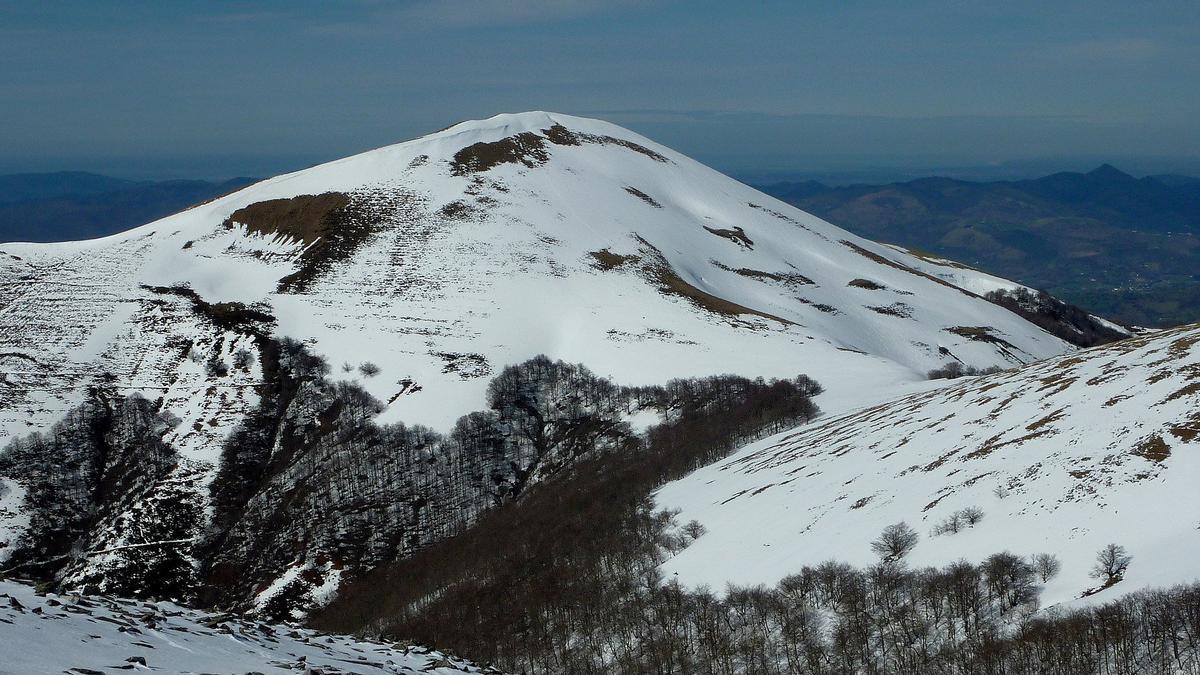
x=71 y=205
x=1120 y=246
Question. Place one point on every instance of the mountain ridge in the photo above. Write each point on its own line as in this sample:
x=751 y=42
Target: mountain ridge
x=423 y=273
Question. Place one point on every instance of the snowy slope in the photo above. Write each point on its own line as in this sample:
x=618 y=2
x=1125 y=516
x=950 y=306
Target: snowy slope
x=49 y=633
x=456 y=254
x=1063 y=456
x=504 y=273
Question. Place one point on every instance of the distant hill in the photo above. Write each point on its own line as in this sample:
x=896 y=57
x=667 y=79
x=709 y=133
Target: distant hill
x=1120 y=246
x=72 y=205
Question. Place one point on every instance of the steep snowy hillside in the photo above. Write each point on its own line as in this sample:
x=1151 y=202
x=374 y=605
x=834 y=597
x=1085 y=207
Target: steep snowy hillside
x=1063 y=456
x=442 y=259
x=48 y=633
x=421 y=270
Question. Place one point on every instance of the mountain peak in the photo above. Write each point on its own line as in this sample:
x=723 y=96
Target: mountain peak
x=1109 y=172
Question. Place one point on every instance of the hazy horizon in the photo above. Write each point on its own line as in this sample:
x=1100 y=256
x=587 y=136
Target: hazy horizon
x=193 y=89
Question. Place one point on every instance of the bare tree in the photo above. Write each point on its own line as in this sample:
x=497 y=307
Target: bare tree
x=1046 y=565
x=971 y=515
x=368 y=369
x=895 y=542
x=694 y=529
x=1111 y=563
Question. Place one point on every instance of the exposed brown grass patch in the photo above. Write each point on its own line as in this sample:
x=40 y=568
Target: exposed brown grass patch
x=1185 y=434
x=643 y=196
x=904 y=268
x=670 y=282
x=897 y=309
x=1153 y=448
x=607 y=260
x=525 y=148
x=785 y=278
x=982 y=334
x=305 y=218
x=1192 y=389
x=866 y=284
x=1048 y=419
x=560 y=135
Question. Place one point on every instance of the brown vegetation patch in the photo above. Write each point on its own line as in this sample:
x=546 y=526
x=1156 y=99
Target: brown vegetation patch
x=1115 y=400
x=660 y=273
x=607 y=260
x=1184 y=344
x=786 y=278
x=525 y=148
x=670 y=282
x=939 y=461
x=898 y=309
x=1153 y=448
x=560 y=135
x=904 y=268
x=737 y=235
x=304 y=218
x=333 y=225
x=1052 y=417
x=1192 y=389
x=643 y=196
x=1186 y=434
x=866 y=284
x=992 y=444
x=979 y=334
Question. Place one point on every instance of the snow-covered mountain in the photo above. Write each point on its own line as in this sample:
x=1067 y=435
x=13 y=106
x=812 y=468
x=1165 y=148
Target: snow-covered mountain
x=421 y=270
x=46 y=633
x=1063 y=457
x=442 y=259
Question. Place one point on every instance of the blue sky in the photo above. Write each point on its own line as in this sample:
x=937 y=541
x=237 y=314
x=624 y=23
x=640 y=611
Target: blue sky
x=741 y=85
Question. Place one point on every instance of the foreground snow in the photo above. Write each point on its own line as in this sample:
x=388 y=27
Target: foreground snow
x=49 y=633
x=1062 y=456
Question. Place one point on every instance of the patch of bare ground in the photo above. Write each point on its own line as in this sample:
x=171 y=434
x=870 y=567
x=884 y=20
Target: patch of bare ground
x=653 y=265
x=1115 y=400
x=994 y=443
x=897 y=309
x=1187 y=434
x=560 y=135
x=304 y=218
x=333 y=226
x=785 y=278
x=902 y=267
x=1184 y=344
x=1048 y=419
x=737 y=235
x=670 y=282
x=643 y=196
x=526 y=148
x=1192 y=389
x=866 y=284
x=980 y=334
x=1153 y=448
x=606 y=260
